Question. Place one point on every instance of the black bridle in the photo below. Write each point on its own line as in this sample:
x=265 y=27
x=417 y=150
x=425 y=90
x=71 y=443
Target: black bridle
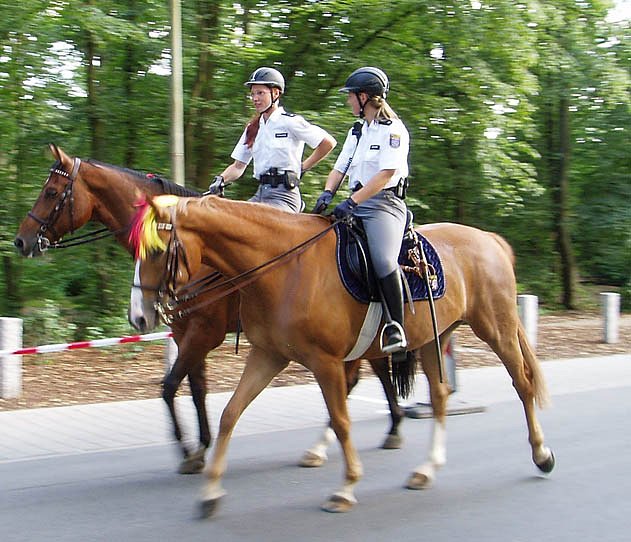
x=66 y=196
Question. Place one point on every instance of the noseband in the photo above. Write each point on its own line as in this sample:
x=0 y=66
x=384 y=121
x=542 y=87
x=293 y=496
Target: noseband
x=66 y=196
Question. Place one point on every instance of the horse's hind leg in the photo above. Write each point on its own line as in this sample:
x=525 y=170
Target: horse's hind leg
x=382 y=370
x=423 y=476
x=316 y=455
x=509 y=342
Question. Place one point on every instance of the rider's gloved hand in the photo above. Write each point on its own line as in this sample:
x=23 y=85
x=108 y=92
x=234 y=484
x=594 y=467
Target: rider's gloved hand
x=217 y=186
x=323 y=202
x=345 y=210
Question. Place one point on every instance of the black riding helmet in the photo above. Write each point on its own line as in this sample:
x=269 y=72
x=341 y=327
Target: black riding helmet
x=267 y=76
x=372 y=81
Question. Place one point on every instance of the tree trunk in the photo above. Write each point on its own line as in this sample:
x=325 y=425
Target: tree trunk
x=95 y=123
x=559 y=152
x=97 y=150
x=199 y=136
x=564 y=240
x=129 y=69
x=12 y=295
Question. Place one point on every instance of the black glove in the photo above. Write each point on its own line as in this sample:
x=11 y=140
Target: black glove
x=217 y=186
x=344 y=211
x=323 y=202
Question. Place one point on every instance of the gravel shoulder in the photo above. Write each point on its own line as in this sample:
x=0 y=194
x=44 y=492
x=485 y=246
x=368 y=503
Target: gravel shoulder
x=130 y=372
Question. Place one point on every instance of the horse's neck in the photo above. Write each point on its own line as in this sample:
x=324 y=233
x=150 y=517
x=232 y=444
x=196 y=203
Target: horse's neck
x=238 y=236
x=114 y=194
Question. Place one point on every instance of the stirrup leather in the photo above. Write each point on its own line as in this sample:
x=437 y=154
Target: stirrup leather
x=400 y=345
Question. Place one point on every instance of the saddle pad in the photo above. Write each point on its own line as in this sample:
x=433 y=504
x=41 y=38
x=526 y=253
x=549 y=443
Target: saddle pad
x=358 y=287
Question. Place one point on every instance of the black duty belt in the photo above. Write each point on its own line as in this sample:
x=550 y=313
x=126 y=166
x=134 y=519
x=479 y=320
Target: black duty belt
x=399 y=190
x=275 y=178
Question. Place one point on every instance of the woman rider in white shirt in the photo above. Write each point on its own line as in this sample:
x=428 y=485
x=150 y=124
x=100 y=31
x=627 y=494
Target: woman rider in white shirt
x=377 y=165
x=275 y=139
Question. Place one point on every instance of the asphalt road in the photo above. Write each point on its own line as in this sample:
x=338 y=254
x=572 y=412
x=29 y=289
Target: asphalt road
x=489 y=490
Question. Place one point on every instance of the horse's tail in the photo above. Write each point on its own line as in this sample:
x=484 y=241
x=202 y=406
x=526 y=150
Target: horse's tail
x=403 y=375
x=533 y=369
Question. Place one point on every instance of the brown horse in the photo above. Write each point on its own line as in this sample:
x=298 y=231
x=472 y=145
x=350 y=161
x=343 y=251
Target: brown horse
x=299 y=310
x=79 y=191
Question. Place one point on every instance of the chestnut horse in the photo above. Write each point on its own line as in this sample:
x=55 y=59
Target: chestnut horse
x=79 y=191
x=295 y=307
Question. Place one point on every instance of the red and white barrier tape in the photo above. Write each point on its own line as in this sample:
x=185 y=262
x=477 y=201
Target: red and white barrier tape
x=97 y=343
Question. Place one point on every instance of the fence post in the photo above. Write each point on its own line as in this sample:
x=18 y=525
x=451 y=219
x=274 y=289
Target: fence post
x=611 y=316
x=528 y=307
x=10 y=366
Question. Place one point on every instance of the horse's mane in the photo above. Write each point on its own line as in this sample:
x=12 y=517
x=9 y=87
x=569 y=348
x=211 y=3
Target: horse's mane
x=165 y=186
x=143 y=231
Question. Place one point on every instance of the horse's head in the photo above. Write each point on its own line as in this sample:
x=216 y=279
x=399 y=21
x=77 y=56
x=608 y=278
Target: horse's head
x=59 y=209
x=162 y=265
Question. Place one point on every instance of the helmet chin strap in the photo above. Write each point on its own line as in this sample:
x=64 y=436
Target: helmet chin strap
x=361 y=106
x=274 y=100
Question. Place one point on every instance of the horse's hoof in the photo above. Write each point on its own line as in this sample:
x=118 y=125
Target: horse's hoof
x=208 y=507
x=310 y=459
x=547 y=465
x=337 y=504
x=194 y=463
x=392 y=442
x=418 y=480
x=191 y=466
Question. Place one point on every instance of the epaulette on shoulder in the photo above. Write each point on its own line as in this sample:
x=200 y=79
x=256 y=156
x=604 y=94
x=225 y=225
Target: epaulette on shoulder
x=387 y=122
x=288 y=114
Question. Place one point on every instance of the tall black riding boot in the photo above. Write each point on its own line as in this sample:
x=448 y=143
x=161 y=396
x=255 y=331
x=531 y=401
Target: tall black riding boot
x=393 y=335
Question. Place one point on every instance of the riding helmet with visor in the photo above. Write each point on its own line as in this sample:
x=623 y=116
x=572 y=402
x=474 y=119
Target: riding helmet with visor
x=267 y=76
x=372 y=81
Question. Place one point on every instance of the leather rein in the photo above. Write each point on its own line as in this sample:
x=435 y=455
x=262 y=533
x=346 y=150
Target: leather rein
x=170 y=298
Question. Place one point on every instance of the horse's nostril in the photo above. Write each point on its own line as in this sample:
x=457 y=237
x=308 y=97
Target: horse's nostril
x=18 y=243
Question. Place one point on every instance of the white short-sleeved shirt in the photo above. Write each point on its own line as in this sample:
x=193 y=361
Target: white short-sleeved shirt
x=279 y=143
x=382 y=145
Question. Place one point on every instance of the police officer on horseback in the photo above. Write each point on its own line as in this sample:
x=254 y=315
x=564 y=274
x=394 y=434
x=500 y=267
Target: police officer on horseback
x=275 y=139
x=375 y=157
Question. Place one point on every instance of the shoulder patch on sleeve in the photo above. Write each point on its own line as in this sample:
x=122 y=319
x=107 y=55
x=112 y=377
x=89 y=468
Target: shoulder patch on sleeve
x=395 y=141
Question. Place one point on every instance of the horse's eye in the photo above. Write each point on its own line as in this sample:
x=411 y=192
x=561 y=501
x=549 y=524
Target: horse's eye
x=51 y=193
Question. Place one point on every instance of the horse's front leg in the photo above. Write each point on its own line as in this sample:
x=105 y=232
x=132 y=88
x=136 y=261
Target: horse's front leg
x=423 y=476
x=170 y=385
x=259 y=370
x=329 y=374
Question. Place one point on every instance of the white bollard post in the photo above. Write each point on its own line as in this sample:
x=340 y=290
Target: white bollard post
x=170 y=354
x=528 y=307
x=611 y=316
x=10 y=366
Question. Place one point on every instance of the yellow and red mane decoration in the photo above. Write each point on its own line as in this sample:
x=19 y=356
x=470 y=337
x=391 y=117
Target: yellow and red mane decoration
x=143 y=231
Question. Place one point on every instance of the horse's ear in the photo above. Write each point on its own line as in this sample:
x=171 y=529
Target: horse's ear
x=66 y=162
x=54 y=149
